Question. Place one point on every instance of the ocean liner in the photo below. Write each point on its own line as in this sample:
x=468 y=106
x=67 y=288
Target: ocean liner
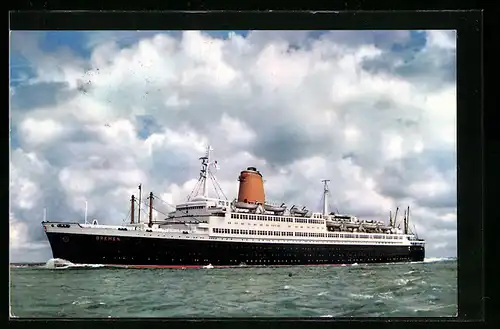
x=213 y=231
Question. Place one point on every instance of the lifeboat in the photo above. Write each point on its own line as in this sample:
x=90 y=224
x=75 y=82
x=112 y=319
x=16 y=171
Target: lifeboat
x=275 y=208
x=244 y=205
x=333 y=224
x=351 y=225
x=369 y=225
x=296 y=211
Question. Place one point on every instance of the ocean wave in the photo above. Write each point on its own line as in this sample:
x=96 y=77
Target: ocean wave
x=83 y=300
x=361 y=296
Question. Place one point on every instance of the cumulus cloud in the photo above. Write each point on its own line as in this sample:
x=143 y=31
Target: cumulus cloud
x=373 y=111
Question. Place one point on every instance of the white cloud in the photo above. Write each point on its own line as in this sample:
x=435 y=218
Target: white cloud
x=442 y=39
x=18 y=234
x=298 y=109
x=41 y=131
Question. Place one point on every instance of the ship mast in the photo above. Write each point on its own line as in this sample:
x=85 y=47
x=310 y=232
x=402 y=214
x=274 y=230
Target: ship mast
x=325 y=196
x=132 y=213
x=150 y=224
x=204 y=171
x=140 y=196
x=86 y=208
x=201 y=188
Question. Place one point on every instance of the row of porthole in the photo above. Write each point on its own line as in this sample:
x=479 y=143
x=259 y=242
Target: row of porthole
x=322 y=241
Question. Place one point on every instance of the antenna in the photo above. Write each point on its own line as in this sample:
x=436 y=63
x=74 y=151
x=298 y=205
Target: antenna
x=44 y=214
x=325 y=196
x=86 y=205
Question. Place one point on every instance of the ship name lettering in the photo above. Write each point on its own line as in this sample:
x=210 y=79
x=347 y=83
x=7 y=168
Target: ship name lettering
x=107 y=238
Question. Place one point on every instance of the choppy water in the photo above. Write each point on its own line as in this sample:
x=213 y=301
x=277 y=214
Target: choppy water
x=412 y=289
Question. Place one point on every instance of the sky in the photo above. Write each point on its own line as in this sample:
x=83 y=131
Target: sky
x=95 y=113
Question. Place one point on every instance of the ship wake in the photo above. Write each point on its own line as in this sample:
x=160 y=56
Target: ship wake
x=59 y=263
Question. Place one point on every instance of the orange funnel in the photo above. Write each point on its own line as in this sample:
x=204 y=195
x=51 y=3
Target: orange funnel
x=251 y=186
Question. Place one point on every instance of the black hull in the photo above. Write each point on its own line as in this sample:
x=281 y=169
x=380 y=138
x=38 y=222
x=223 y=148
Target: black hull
x=91 y=249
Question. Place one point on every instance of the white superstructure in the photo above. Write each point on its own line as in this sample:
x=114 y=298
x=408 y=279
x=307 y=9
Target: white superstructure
x=206 y=218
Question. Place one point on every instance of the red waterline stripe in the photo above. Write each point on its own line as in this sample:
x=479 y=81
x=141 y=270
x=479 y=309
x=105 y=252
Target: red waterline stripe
x=215 y=266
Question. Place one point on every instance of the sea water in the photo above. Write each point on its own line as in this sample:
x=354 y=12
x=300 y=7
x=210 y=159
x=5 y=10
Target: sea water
x=61 y=289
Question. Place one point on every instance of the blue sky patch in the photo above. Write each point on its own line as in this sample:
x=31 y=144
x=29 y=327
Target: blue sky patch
x=147 y=126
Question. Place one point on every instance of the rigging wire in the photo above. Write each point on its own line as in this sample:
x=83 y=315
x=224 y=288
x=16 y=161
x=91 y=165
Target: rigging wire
x=165 y=202
x=216 y=184
x=196 y=187
x=125 y=220
x=147 y=207
x=415 y=228
x=215 y=188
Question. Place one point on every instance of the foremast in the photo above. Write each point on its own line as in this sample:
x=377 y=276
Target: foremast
x=201 y=189
x=326 y=191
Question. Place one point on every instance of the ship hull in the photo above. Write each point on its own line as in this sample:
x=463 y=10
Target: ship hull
x=120 y=250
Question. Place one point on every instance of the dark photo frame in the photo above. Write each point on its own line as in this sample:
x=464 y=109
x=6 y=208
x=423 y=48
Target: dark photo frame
x=470 y=190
